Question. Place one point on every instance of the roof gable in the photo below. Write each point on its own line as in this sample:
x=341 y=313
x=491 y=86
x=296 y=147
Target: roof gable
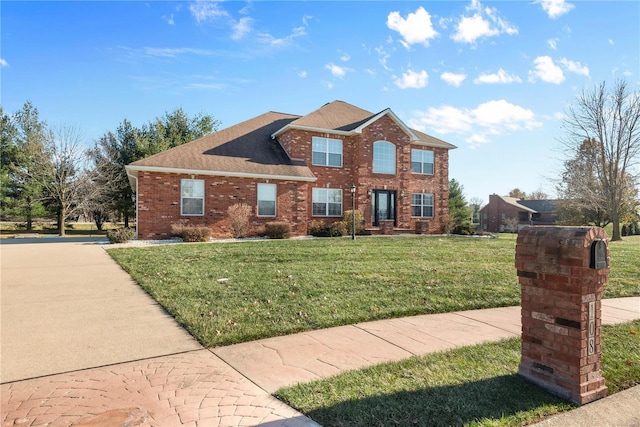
x=342 y=118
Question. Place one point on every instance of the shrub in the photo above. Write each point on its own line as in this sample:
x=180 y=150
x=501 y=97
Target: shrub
x=120 y=235
x=191 y=233
x=277 y=230
x=319 y=228
x=347 y=218
x=239 y=214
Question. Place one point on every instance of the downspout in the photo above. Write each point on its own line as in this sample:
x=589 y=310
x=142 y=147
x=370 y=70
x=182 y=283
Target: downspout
x=137 y=237
x=135 y=177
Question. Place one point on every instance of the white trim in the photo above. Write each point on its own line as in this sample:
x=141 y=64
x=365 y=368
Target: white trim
x=182 y=180
x=393 y=116
x=275 y=201
x=327 y=202
x=133 y=168
x=414 y=138
x=435 y=144
x=311 y=129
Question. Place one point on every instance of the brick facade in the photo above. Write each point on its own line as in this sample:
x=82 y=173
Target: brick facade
x=357 y=169
x=494 y=215
x=561 y=310
x=159 y=203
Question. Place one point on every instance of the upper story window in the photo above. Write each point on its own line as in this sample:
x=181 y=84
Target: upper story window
x=384 y=157
x=267 y=199
x=326 y=201
x=192 y=197
x=422 y=161
x=326 y=152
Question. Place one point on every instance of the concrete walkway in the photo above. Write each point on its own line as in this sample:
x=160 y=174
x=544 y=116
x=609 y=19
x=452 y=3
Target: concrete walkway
x=124 y=361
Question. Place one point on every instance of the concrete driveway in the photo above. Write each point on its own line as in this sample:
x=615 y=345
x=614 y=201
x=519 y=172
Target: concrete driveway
x=66 y=305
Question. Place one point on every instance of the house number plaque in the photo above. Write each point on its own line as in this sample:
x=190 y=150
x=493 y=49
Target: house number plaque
x=591 y=336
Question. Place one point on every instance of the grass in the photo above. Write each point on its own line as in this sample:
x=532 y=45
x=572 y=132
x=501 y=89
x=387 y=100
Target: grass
x=236 y=292
x=9 y=229
x=471 y=386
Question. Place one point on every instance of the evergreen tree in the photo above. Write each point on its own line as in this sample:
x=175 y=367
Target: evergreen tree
x=459 y=213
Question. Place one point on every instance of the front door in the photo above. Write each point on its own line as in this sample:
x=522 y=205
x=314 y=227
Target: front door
x=384 y=206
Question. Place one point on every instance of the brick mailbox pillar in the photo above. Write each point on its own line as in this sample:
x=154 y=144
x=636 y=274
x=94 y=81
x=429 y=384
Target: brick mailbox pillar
x=562 y=272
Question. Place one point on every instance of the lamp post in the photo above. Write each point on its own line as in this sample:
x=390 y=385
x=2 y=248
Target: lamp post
x=353 y=212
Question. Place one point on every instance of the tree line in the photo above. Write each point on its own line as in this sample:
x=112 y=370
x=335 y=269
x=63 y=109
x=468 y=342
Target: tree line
x=57 y=173
x=50 y=173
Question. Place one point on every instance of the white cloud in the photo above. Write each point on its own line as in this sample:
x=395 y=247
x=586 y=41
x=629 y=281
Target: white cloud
x=555 y=8
x=471 y=28
x=546 y=71
x=345 y=57
x=268 y=39
x=476 y=126
x=453 y=79
x=171 y=52
x=575 y=67
x=611 y=42
x=302 y=74
x=383 y=56
x=553 y=43
x=336 y=70
x=169 y=19
x=413 y=80
x=484 y=22
x=206 y=10
x=242 y=28
x=500 y=77
x=416 y=28
x=3 y=63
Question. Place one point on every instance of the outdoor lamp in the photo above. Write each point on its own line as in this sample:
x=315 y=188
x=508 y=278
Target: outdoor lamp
x=353 y=212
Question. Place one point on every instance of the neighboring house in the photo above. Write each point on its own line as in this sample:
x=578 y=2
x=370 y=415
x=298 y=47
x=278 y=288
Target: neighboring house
x=501 y=210
x=298 y=169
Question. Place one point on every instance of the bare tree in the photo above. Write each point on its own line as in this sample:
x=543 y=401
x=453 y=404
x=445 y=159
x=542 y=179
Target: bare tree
x=610 y=120
x=537 y=195
x=61 y=172
x=511 y=225
x=475 y=204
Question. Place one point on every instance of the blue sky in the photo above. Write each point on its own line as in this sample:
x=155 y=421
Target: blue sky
x=493 y=78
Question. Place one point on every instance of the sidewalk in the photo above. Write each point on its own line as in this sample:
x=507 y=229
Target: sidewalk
x=185 y=384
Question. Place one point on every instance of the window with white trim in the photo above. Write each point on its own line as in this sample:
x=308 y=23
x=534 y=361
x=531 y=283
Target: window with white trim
x=192 y=197
x=422 y=161
x=384 y=157
x=326 y=152
x=326 y=202
x=267 y=199
x=422 y=205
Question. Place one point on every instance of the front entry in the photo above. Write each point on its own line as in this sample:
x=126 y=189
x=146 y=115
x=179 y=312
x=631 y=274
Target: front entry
x=384 y=206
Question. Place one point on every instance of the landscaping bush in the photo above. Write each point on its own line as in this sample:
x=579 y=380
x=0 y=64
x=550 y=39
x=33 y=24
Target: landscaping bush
x=277 y=230
x=239 y=214
x=191 y=233
x=320 y=228
x=347 y=218
x=120 y=235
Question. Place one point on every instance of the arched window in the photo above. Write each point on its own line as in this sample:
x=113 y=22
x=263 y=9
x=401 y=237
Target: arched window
x=384 y=157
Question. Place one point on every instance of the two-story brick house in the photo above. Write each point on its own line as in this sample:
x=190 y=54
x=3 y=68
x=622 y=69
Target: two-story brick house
x=298 y=169
x=500 y=209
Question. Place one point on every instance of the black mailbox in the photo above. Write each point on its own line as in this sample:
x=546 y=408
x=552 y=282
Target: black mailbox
x=598 y=254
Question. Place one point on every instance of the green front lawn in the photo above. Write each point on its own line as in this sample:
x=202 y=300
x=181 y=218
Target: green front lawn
x=234 y=292
x=471 y=386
